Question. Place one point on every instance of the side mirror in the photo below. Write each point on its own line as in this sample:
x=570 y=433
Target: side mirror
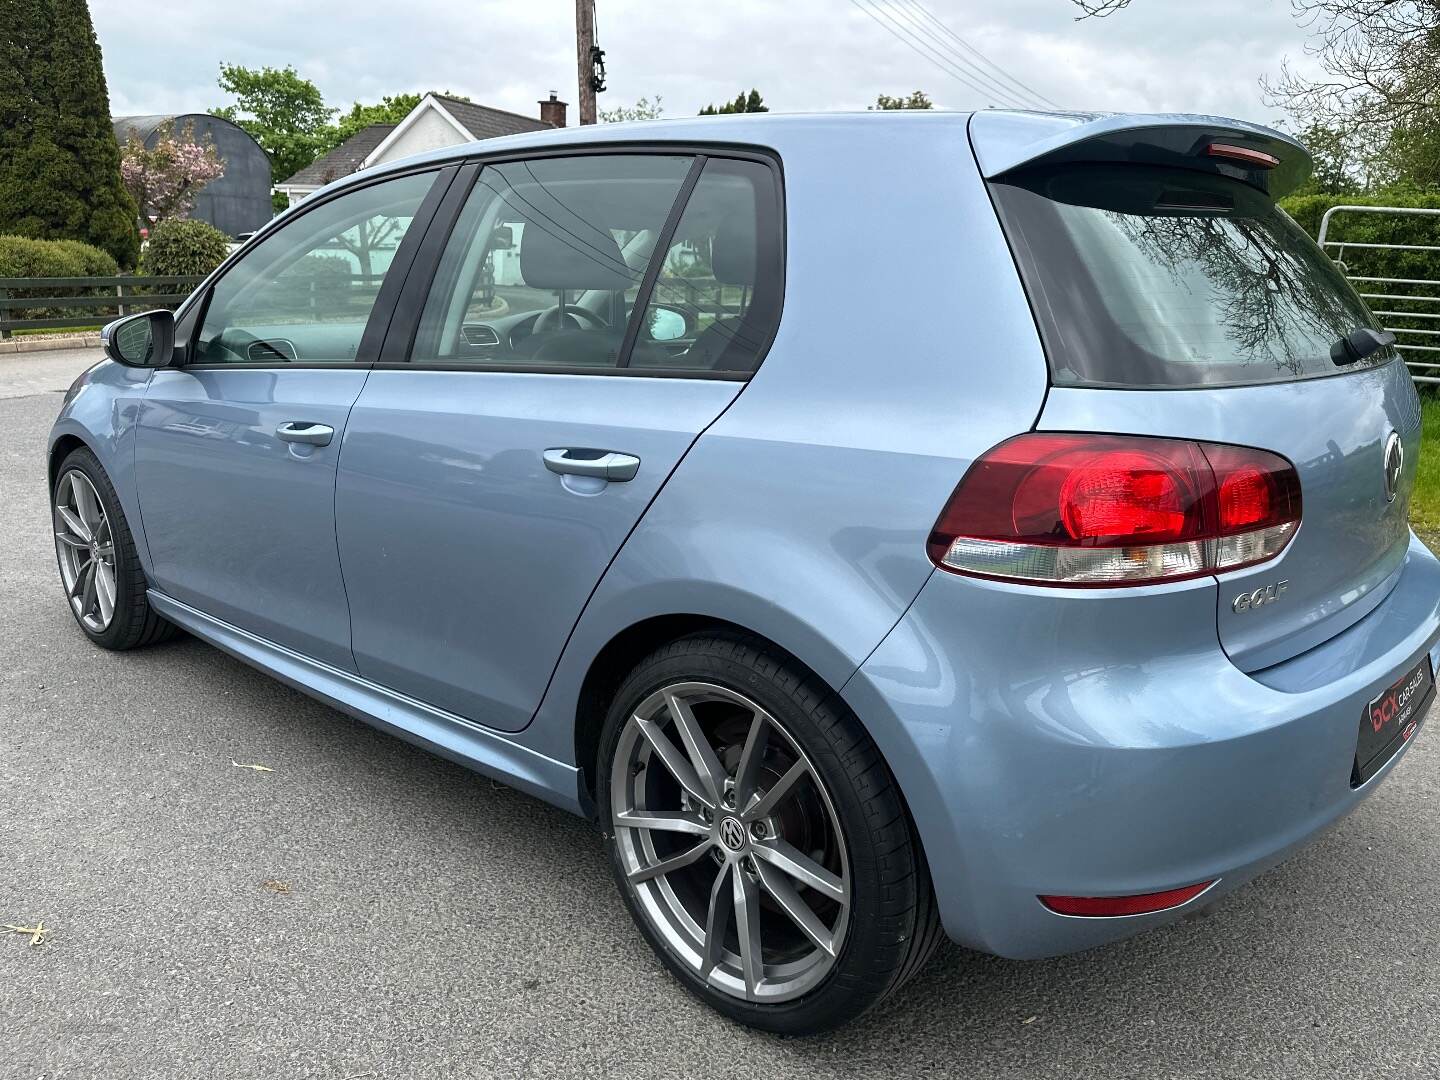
x=144 y=341
x=667 y=324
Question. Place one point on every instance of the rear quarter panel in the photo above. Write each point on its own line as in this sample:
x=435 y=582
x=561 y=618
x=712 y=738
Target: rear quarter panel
x=906 y=349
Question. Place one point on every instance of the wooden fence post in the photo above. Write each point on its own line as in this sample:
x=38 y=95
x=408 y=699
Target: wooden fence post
x=120 y=307
x=5 y=314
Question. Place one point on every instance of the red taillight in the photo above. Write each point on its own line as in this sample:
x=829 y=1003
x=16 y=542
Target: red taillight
x=1111 y=906
x=1071 y=509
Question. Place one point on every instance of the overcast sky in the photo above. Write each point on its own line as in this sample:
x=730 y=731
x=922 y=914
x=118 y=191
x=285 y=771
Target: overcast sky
x=1162 y=55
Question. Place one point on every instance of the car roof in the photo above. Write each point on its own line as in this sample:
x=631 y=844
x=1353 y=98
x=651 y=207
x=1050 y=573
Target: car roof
x=1003 y=138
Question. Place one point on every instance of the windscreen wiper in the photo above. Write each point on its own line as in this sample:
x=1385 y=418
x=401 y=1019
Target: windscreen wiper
x=1358 y=344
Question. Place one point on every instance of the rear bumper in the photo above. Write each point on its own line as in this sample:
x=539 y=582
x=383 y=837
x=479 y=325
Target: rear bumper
x=1046 y=746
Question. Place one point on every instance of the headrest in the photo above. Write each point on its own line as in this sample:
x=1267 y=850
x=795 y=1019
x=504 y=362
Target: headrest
x=554 y=257
x=732 y=254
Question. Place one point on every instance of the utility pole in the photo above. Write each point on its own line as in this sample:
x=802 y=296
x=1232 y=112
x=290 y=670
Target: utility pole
x=585 y=57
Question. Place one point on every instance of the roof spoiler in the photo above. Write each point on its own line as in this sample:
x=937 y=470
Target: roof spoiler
x=1260 y=156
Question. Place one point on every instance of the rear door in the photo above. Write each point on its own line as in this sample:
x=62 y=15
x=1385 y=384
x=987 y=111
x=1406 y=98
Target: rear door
x=236 y=448
x=587 y=317
x=1180 y=301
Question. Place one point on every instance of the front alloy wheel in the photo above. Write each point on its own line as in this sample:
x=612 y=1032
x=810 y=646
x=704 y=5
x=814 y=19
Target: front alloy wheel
x=85 y=545
x=99 y=565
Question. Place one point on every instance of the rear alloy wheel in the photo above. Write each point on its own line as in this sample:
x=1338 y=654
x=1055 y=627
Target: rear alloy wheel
x=99 y=566
x=742 y=847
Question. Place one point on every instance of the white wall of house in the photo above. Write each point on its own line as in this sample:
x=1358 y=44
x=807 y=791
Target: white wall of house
x=430 y=131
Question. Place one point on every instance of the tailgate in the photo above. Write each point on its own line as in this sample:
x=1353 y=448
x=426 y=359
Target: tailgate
x=1352 y=538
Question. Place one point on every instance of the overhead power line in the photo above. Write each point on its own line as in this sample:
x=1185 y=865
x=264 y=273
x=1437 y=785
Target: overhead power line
x=909 y=40
x=917 y=37
x=1000 y=73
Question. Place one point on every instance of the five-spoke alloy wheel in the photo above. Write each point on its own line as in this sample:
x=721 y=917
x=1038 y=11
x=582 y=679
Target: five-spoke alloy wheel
x=758 y=837
x=721 y=825
x=99 y=567
x=85 y=545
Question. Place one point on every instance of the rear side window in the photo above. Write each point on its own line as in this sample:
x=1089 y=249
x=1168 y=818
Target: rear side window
x=1151 y=277
x=717 y=298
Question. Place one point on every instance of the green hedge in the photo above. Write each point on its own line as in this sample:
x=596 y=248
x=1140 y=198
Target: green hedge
x=21 y=256
x=180 y=247
x=1421 y=229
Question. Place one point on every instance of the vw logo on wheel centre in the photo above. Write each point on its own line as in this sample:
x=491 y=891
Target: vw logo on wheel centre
x=732 y=833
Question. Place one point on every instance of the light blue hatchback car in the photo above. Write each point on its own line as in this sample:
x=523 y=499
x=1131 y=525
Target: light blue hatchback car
x=878 y=523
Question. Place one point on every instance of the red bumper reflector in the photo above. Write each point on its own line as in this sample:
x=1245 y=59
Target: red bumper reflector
x=1142 y=904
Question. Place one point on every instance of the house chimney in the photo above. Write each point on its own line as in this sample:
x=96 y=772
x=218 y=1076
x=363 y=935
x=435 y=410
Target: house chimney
x=553 y=111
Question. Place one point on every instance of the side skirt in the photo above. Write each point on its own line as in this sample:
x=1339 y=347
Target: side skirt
x=440 y=732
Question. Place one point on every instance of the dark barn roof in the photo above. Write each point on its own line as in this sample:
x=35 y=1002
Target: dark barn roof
x=343 y=160
x=239 y=201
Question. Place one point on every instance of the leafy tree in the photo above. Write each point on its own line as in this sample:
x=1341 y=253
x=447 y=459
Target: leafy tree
x=391 y=109
x=165 y=178
x=917 y=100
x=743 y=103
x=286 y=114
x=643 y=109
x=1341 y=165
x=59 y=161
x=178 y=247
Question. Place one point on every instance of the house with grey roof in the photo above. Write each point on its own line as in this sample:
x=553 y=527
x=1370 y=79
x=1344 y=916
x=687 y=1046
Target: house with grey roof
x=438 y=121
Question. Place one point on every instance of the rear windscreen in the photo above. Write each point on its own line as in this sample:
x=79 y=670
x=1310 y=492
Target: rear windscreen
x=1152 y=277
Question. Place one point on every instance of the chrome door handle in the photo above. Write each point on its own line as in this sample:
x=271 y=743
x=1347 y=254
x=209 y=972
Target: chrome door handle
x=300 y=432
x=606 y=464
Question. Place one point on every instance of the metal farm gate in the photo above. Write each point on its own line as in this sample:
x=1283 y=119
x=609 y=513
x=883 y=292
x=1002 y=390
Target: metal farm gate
x=1418 y=346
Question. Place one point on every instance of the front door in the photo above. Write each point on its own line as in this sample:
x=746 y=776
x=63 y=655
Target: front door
x=236 y=447
x=589 y=317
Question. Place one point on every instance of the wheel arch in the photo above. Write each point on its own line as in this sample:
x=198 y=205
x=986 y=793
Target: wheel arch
x=615 y=659
x=63 y=446
x=627 y=647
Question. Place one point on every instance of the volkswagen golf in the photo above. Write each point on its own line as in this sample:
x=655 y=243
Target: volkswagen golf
x=882 y=526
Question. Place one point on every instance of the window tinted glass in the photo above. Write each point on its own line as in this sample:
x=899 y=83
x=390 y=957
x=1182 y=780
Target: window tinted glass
x=1162 y=277
x=305 y=292
x=717 y=299
x=546 y=261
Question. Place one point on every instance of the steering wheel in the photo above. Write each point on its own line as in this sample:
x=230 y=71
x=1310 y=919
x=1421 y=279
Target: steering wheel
x=554 y=314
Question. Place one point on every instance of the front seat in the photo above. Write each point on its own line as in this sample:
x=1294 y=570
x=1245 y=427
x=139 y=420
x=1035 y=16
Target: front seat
x=572 y=262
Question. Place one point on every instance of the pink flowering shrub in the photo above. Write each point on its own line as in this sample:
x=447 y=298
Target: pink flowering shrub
x=165 y=178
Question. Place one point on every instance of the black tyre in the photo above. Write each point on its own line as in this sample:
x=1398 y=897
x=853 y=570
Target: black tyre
x=758 y=837
x=99 y=568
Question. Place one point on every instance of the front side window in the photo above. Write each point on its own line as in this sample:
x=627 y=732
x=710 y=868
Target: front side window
x=1155 y=277
x=546 y=260
x=305 y=293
